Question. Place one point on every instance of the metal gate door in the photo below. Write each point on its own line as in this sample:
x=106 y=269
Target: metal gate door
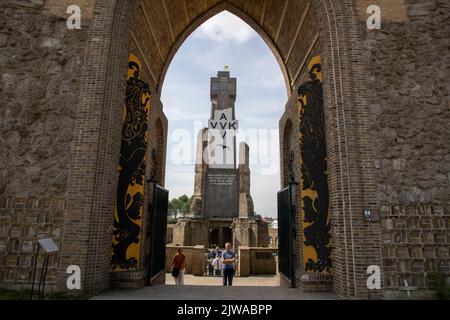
x=158 y=226
x=285 y=252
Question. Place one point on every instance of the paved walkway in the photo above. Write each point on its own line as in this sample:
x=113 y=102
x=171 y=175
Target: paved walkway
x=260 y=281
x=209 y=288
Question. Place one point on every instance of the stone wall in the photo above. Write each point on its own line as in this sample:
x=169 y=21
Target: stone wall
x=410 y=105
x=256 y=261
x=40 y=63
x=40 y=82
x=191 y=232
x=169 y=234
x=195 y=259
x=408 y=70
x=250 y=232
x=273 y=237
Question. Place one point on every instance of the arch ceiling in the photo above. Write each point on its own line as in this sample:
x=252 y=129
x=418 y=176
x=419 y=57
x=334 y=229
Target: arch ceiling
x=278 y=22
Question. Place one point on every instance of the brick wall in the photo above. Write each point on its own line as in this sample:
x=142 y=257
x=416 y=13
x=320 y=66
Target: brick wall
x=22 y=222
x=416 y=246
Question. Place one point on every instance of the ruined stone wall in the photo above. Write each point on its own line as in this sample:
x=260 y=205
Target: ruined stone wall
x=408 y=67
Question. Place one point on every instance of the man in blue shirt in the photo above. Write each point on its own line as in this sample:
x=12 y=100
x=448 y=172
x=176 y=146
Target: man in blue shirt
x=228 y=262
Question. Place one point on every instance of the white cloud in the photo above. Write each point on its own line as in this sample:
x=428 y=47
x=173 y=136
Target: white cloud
x=225 y=27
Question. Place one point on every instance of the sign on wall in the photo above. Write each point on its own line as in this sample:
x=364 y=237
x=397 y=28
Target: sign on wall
x=314 y=184
x=132 y=165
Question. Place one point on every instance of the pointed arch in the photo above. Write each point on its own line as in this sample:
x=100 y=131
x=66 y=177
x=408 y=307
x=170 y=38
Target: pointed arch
x=110 y=38
x=213 y=11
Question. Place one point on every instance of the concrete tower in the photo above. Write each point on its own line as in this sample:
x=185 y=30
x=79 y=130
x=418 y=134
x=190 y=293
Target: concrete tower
x=222 y=207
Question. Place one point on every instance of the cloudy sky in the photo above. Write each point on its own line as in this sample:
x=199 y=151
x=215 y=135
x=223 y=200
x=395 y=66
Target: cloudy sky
x=261 y=96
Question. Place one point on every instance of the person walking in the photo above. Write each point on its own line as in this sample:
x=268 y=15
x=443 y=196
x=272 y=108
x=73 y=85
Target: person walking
x=211 y=256
x=218 y=256
x=228 y=264
x=178 y=267
x=216 y=266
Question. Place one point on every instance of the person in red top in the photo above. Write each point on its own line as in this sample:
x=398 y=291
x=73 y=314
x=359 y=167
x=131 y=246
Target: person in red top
x=178 y=267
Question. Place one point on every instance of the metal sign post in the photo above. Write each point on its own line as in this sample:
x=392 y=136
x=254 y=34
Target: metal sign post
x=49 y=246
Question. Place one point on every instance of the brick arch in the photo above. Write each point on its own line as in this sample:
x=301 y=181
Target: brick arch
x=211 y=12
x=113 y=34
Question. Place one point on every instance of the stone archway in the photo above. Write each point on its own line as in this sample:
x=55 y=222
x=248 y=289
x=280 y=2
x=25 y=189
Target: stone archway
x=120 y=27
x=63 y=91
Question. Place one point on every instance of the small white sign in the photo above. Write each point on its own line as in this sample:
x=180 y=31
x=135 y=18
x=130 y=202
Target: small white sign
x=48 y=245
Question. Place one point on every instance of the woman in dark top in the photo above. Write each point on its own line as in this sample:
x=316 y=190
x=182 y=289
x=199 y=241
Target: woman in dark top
x=178 y=267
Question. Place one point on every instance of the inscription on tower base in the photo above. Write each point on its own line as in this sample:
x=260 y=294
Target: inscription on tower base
x=222 y=179
x=222 y=193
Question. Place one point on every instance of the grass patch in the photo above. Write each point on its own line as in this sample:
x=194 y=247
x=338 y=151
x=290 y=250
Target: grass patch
x=14 y=295
x=441 y=286
x=66 y=296
x=6 y=294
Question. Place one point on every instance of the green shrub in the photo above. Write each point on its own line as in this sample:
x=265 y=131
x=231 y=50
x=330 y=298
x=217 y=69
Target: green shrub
x=65 y=296
x=14 y=295
x=442 y=287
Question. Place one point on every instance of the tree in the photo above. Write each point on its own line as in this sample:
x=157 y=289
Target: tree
x=180 y=205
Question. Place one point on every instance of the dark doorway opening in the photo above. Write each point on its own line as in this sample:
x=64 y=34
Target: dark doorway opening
x=214 y=238
x=227 y=236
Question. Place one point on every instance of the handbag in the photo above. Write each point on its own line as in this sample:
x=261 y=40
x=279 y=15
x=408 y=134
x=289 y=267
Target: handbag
x=175 y=272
